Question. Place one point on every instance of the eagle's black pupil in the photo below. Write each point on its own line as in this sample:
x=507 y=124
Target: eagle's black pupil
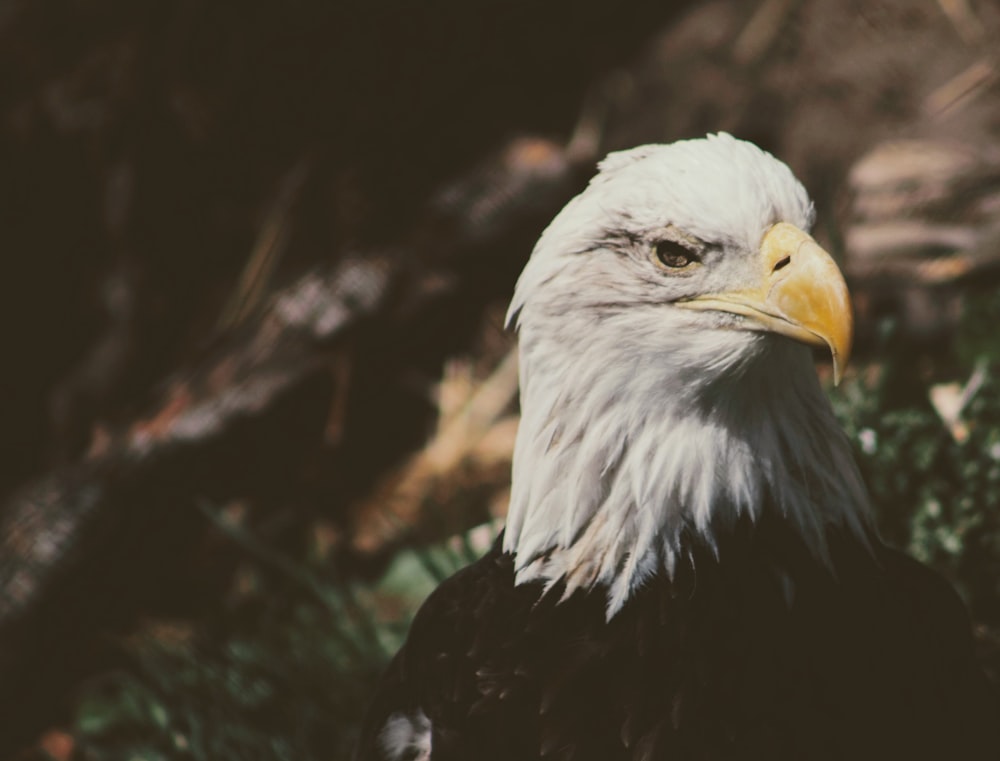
x=672 y=254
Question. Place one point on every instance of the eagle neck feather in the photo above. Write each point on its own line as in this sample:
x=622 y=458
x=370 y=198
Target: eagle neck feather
x=621 y=465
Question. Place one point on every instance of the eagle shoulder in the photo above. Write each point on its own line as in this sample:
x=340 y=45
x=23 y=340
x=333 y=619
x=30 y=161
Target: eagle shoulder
x=760 y=653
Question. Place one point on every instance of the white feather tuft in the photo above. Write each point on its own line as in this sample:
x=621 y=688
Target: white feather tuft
x=406 y=737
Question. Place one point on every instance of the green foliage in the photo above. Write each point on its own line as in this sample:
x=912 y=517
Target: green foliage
x=288 y=689
x=287 y=675
x=935 y=487
x=977 y=339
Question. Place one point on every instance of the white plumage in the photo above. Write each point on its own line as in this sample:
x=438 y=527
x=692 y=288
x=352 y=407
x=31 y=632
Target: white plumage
x=647 y=425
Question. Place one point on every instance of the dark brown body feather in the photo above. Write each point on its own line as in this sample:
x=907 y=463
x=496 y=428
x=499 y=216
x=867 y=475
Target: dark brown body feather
x=763 y=653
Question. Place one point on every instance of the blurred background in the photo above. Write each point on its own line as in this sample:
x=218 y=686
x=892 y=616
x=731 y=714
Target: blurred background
x=257 y=395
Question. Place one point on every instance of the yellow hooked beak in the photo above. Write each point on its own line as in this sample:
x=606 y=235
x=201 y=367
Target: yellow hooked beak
x=801 y=294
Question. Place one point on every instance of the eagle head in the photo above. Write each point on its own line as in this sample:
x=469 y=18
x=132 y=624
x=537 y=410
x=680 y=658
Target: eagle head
x=667 y=386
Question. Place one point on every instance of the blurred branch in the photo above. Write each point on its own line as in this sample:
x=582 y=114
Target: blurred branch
x=272 y=240
x=56 y=530
x=762 y=30
x=964 y=19
x=398 y=507
x=961 y=89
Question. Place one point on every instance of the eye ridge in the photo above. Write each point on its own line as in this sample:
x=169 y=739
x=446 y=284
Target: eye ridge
x=674 y=255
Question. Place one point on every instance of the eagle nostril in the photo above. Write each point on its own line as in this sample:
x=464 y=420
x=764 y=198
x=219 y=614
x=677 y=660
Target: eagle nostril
x=783 y=263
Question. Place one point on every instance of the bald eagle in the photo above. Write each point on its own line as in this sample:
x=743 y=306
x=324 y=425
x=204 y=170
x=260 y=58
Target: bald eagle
x=689 y=568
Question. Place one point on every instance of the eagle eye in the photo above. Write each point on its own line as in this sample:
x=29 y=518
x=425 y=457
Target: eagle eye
x=674 y=255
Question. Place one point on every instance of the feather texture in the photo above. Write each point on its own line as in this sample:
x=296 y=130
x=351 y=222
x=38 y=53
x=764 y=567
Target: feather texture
x=643 y=425
x=872 y=661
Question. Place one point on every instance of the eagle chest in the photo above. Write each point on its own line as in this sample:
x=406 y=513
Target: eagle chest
x=708 y=665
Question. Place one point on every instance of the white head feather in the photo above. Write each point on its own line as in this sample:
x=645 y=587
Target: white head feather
x=645 y=426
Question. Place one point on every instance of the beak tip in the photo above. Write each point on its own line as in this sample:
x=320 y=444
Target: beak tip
x=838 y=370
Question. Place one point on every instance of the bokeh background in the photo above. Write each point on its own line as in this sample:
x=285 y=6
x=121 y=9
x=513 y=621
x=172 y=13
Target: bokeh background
x=257 y=398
